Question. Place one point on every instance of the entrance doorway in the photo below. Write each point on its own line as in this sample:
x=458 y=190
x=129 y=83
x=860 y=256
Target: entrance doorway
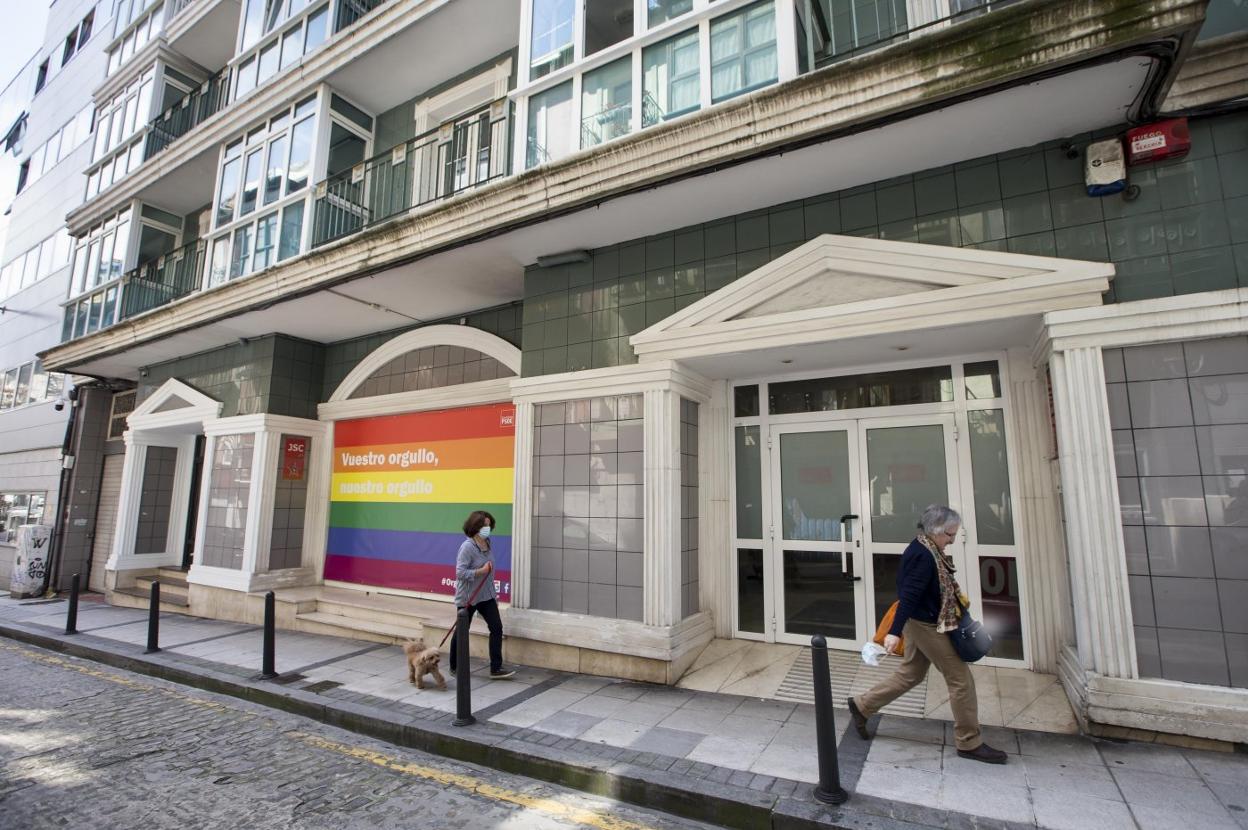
x=844 y=512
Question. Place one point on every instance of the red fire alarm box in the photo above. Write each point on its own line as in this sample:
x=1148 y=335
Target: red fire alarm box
x=1154 y=142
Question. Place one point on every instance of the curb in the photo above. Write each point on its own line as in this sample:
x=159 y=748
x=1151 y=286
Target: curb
x=487 y=745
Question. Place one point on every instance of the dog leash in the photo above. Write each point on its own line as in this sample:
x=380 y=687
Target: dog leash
x=451 y=630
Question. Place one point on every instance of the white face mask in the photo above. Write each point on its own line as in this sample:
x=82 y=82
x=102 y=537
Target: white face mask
x=484 y=532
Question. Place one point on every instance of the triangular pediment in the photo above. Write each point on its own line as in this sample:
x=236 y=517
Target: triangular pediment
x=174 y=402
x=868 y=285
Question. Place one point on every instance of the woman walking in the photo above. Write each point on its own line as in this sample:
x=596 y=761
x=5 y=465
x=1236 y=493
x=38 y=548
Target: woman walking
x=929 y=605
x=474 y=589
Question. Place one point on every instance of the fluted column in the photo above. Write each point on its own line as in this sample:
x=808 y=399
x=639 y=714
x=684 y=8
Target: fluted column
x=716 y=557
x=1098 y=564
x=661 y=566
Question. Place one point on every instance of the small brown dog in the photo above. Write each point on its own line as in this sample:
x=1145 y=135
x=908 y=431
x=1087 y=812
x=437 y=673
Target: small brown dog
x=422 y=660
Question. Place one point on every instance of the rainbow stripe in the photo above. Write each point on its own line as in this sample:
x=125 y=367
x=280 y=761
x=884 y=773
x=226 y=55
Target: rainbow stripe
x=404 y=484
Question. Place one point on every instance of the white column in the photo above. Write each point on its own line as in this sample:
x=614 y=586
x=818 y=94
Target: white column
x=661 y=568
x=1047 y=599
x=786 y=39
x=264 y=468
x=716 y=557
x=1098 y=563
x=128 y=502
x=522 y=507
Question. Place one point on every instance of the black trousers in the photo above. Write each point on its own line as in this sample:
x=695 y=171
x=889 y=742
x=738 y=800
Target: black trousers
x=488 y=609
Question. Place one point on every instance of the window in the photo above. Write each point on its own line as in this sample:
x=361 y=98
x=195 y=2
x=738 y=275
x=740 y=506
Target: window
x=127 y=112
x=141 y=20
x=101 y=255
x=661 y=11
x=63 y=142
x=551 y=44
x=263 y=17
x=17 y=509
x=28 y=383
x=669 y=72
x=550 y=122
x=41 y=78
x=122 y=406
x=607 y=102
x=33 y=265
x=607 y=22
x=743 y=51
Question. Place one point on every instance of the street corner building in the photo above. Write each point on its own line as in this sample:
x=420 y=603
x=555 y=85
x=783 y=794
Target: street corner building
x=703 y=301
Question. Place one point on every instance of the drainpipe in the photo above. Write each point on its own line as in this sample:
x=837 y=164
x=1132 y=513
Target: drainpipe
x=63 y=489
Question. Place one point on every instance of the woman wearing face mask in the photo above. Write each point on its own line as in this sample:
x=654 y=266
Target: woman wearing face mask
x=474 y=588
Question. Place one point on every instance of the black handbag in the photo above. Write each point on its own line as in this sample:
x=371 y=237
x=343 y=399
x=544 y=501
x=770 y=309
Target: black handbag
x=971 y=640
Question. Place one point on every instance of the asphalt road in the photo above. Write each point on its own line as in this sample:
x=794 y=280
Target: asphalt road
x=83 y=745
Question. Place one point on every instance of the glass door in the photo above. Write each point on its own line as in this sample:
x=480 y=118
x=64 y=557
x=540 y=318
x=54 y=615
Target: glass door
x=910 y=463
x=816 y=561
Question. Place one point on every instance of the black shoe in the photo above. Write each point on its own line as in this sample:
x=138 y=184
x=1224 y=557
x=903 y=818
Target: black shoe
x=984 y=753
x=860 y=720
x=501 y=673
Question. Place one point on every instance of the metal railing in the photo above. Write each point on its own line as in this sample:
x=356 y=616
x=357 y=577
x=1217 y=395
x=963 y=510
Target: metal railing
x=349 y=11
x=431 y=166
x=188 y=113
x=164 y=280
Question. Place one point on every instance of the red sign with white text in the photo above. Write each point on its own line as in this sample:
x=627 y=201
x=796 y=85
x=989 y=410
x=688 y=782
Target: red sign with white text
x=294 y=457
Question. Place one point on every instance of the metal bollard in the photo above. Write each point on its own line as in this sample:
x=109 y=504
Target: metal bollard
x=153 y=620
x=829 y=789
x=463 y=672
x=269 y=660
x=71 y=617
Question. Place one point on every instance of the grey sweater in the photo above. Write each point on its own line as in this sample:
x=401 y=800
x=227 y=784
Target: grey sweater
x=469 y=558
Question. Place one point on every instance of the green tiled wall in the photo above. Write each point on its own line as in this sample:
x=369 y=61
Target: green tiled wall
x=275 y=374
x=1187 y=231
x=342 y=357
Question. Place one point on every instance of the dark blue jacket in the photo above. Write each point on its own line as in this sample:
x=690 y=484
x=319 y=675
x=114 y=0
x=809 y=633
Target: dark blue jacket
x=918 y=587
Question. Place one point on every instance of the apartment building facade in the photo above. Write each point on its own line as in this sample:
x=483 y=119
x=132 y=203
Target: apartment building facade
x=704 y=300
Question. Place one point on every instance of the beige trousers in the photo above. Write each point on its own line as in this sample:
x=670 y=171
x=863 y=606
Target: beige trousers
x=926 y=647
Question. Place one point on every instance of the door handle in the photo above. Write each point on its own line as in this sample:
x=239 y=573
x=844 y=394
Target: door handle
x=845 y=550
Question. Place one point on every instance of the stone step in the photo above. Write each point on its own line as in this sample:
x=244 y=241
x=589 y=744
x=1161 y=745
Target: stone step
x=169 y=588
x=140 y=598
x=341 y=625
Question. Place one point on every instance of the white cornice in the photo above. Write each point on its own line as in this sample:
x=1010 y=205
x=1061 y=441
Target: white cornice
x=613 y=380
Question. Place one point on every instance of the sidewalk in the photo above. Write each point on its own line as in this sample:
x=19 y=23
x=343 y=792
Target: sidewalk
x=725 y=759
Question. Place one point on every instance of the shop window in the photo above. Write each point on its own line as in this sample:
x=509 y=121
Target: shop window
x=229 y=495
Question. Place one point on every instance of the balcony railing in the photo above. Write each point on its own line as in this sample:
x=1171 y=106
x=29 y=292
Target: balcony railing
x=349 y=11
x=188 y=113
x=173 y=8
x=164 y=280
x=431 y=166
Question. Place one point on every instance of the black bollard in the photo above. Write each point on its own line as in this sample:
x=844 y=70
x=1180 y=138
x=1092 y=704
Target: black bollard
x=71 y=618
x=269 y=667
x=153 y=620
x=829 y=789
x=463 y=672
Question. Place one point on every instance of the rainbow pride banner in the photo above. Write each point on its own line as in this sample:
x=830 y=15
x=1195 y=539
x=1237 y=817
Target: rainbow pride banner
x=402 y=487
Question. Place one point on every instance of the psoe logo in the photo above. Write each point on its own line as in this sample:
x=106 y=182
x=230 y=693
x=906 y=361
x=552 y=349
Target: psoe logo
x=507 y=418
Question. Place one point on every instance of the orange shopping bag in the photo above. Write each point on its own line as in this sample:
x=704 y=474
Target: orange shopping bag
x=885 y=625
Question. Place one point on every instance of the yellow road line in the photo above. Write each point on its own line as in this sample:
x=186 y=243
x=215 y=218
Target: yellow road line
x=474 y=785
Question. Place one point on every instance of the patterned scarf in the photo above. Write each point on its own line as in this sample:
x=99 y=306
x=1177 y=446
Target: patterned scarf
x=951 y=597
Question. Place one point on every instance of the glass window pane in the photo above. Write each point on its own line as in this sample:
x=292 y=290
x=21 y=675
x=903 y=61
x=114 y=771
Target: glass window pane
x=246 y=77
x=745 y=401
x=317 y=24
x=814 y=484
x=670 y=78
x=983 y=380
x=80 y=320
x=292 y=231
x=550 y=125
x=38 y=383
x=242 y=252
x=749 y=483
x=818 y=599
x=743 y=51
x=346 y=149
x=300 y=155
x=291 y=46
x=22 y=395
x=998 y=586
x=607 y=102
x=268 y=62
x=266 y=241
x=253 y=21
x=607 y=22
x=906 y=471
x=220 y=259
x=276 y=170
x=884 y=566
x=120 y=246
x=110 y=307
x=750 y=590
x=9 y=391
x=227 y=194
x=551 y=45
x=97 y=306
x=660 y=11
x=990 y=472
x=933 y=384
x=251 y=183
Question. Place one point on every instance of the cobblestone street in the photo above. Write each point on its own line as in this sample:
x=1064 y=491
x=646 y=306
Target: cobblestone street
x=82 y=743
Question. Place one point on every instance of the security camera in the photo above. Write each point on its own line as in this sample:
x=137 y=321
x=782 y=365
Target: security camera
x=59 y=405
